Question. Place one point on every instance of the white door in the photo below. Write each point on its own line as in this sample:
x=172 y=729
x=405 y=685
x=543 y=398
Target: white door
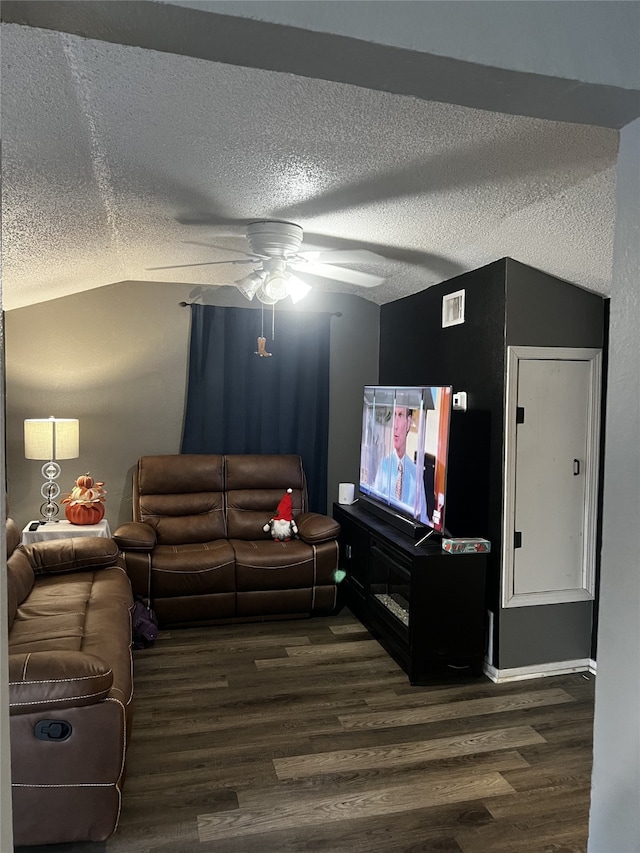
x=552 y=482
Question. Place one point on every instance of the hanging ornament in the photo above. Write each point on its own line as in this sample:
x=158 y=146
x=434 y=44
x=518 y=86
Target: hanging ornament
x=261 y=351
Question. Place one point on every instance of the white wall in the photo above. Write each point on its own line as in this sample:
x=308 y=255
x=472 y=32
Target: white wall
x=615 y=812
x=6 y=835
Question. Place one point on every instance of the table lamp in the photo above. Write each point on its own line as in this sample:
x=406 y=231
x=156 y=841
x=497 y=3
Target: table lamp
x=51 y=439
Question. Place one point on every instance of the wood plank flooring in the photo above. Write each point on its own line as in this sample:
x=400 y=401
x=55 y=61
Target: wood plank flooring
x=292 y=737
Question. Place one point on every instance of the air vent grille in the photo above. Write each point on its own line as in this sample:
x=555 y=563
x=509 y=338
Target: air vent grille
x=453 y=309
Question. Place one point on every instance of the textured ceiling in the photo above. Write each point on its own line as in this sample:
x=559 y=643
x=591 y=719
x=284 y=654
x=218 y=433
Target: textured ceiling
x=114 y=156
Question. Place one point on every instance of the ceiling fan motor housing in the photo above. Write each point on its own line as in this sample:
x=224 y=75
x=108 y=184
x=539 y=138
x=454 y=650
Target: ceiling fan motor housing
x=274 y=239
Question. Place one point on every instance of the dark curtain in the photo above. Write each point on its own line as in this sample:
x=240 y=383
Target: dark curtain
x=239 y=402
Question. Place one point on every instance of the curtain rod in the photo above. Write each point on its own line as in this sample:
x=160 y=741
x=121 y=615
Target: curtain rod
x=187 y=304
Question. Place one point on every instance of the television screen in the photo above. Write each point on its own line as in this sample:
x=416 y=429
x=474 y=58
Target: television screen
x=403 y=456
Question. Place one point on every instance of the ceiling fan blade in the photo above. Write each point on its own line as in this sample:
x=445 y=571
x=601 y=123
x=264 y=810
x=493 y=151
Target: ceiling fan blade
x=222 y=226
x=361 y=279
x=343 y=256
x=220 y=248
x=205 y=264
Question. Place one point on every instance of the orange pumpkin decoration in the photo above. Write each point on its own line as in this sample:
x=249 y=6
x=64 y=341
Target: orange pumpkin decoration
x=85 y=503
x=90 y=513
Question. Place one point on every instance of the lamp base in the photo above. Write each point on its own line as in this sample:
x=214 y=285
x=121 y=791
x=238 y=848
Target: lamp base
x=49 y=511
x=50 y=491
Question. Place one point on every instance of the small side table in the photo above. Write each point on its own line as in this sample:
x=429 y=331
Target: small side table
x=63 y=529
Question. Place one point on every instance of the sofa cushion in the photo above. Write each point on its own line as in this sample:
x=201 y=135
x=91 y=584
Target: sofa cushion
x=264 y=471
x=180 y=474
x=249 y=510
x=13 y=536
x=255 y=486
x=82 y=612
x=192 y=569
x=20 y=580
x=181 y=497
x=40 y=680
x=79 y=553
x=274 y=565
x=195 y=517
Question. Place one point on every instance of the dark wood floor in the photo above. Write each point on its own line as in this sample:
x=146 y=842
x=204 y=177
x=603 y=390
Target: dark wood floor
x=303 y=736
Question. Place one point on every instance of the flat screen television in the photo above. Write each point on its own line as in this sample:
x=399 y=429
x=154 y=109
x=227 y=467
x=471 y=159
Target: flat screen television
x=403 y=454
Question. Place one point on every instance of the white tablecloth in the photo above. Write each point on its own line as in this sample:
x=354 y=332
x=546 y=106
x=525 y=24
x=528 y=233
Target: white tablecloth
x=63 y=529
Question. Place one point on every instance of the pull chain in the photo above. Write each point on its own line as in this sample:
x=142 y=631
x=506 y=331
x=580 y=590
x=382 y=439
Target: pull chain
x=262 y=341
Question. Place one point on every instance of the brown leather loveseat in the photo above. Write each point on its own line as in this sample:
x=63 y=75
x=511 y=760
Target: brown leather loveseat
x=196 y=547
x=70 y=687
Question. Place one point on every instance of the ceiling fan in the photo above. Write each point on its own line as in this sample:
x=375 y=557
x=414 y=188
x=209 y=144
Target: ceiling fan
x=275 y=254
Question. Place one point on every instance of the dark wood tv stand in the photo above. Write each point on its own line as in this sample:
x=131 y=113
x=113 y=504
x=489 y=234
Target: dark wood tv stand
x=425 y=606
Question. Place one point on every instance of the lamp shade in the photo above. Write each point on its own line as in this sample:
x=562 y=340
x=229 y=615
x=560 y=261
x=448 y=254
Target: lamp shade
x=51 y=438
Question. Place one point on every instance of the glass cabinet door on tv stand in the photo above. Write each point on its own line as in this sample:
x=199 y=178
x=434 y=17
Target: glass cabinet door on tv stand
x=425 y=606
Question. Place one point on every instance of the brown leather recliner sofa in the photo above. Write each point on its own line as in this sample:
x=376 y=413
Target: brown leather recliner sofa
x=196 y=547
x=70 y=687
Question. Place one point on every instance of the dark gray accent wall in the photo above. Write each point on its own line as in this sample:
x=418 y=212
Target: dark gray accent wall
x=535 y=635
x=506 y=303
x=354 y=364
x=545 y=311
x=416 y=350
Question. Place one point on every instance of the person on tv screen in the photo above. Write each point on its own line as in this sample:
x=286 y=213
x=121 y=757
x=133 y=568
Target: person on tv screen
x=396 y=475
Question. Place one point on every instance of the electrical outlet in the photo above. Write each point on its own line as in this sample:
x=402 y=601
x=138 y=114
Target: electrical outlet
x=460 y=401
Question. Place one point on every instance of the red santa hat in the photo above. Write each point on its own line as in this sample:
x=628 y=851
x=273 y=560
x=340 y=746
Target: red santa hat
x=285 y=508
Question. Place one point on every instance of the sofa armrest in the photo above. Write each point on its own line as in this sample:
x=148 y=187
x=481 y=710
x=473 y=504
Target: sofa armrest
x=41 y=681
x=13 y=536
x=71 y=555
x=135 y=536
x=314 y=528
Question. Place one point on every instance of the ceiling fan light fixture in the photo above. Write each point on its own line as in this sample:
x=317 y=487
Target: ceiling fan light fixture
x=262 y=295
x=276 y=285
x=297 y=289
x=248 y=286
x=277 y=275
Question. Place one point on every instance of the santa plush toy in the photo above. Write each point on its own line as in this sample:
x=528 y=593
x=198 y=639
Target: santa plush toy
x=282 y=526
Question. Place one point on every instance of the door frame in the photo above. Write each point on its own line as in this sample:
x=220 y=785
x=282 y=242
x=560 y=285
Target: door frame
x=586 y=592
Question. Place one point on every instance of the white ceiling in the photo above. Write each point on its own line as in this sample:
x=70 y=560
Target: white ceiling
x=114 y=156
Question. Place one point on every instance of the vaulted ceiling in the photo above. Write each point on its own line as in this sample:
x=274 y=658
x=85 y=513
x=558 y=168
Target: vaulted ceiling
x=119 y=156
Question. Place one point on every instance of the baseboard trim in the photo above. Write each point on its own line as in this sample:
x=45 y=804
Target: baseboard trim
x=540 y=670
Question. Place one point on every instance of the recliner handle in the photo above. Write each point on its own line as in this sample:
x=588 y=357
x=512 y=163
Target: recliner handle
x=57 y=730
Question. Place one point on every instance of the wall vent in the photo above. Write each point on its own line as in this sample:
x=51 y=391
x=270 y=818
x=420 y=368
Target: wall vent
x=453 y=309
